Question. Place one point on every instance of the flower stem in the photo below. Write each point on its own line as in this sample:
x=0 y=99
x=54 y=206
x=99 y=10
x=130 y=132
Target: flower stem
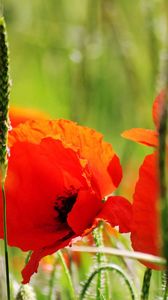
x=109 y=267
x=28 y=257
x=97 y=234
x=146 y=284
x=5 y=243
x=4 y=103
x=165 y=284
x=103 y=278
x=68 y=276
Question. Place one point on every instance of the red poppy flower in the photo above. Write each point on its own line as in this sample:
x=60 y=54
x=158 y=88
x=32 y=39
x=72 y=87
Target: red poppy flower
x=58 y=175
x=145 y=233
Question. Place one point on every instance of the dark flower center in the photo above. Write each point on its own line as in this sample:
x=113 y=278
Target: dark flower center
x=64 y=205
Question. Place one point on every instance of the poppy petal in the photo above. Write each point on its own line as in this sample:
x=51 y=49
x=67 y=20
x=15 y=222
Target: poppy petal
x=158 y=108
x=37 y=175
x=145 y=228
x=115 y=170
x=87 y=206
x=117 y=211
x=32 y=265
x=87 y=141
x=142 y=136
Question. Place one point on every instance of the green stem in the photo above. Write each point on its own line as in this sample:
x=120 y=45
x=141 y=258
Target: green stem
x=5 y=243
x=52 y=279
x=121 y=253
x=146 y=284
x=68 y=276
x=165 y=284
x=102 y=277
x=28 y=257
x=109 y=267
x=97 y=234
x=4 y=103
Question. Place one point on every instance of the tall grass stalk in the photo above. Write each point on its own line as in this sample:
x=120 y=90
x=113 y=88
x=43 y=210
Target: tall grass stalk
x=68 y=276
x=4 y=101
x=162 y=171
x=121 y=253
x=6 y=244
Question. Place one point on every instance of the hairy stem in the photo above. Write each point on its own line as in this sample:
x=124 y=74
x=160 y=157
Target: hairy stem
x=146 y=284
x=4 y=101
x=109 y=267
x=102 y=279
x=165 y=285
x=97 y=234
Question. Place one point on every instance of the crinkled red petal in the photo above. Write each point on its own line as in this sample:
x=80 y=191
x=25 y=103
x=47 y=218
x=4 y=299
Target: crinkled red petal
x=87 y=141
x=145 y=234
x=117 y=211
x=37 y=175
x=142 y=136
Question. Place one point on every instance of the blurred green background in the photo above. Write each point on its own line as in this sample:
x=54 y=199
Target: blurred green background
x=97 y=62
